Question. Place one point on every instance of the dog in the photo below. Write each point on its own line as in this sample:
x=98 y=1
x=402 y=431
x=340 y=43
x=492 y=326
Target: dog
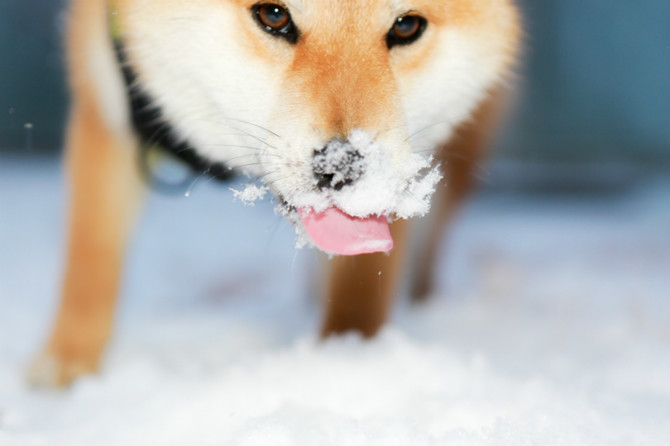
x=336 y=105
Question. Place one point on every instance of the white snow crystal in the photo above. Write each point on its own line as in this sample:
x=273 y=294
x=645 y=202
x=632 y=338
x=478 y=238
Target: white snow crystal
x=249 y=194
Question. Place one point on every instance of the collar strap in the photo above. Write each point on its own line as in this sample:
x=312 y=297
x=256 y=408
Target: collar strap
x=154 y=131
x=114 y=21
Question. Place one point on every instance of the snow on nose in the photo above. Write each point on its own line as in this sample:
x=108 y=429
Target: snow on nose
x=336 y=165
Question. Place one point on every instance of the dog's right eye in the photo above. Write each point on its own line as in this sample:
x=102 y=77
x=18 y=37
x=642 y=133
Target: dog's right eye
x=275 y=19
x=406 y=30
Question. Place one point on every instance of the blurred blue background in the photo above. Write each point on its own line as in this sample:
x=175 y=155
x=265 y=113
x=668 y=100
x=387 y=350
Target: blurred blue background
x=594 y=84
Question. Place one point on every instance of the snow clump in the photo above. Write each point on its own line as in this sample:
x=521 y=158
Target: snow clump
x=250 y=194
x=382 y=183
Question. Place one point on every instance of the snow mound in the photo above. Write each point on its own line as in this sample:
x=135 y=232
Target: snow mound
x=551 y=328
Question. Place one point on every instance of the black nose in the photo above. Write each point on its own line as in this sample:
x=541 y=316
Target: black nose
x=336 y=165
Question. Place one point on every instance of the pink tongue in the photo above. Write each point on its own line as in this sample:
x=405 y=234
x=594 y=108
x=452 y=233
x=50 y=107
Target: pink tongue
x=335 y=232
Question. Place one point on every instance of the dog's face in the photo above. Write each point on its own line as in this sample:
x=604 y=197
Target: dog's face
x=313 y=95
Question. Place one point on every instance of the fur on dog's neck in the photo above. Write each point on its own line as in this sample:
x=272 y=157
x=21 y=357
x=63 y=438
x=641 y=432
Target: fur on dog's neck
x=150 y=124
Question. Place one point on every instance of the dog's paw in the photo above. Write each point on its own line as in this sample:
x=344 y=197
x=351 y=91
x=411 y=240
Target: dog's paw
x=54 y=371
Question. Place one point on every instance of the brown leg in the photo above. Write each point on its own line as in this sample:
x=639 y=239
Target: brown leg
x=361 y=288
x=103 y=196
x=459 y=159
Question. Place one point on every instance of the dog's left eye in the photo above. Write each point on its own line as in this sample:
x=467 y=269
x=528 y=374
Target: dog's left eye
x=406 y=29
x=276 y=20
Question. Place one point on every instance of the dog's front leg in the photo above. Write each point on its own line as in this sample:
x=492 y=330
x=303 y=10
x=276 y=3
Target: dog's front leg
x=361 y=288
x=104 y=190
x=460 y=159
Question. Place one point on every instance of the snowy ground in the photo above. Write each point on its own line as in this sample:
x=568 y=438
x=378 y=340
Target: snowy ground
x=551 y=327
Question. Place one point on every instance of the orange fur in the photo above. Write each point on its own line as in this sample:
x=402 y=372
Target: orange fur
x=342 y=77
x=104 y=190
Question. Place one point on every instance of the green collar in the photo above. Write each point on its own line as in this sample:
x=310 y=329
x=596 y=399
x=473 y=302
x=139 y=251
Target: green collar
x=114 y=20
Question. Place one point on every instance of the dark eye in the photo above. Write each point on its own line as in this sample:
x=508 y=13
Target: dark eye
x=275 y=19
x=406 y=29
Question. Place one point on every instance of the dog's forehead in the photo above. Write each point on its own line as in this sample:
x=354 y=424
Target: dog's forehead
x=352 y=14
x=332 y=13
x=348 y=5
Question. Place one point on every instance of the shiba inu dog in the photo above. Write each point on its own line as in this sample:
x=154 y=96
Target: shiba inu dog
x=336 y=105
